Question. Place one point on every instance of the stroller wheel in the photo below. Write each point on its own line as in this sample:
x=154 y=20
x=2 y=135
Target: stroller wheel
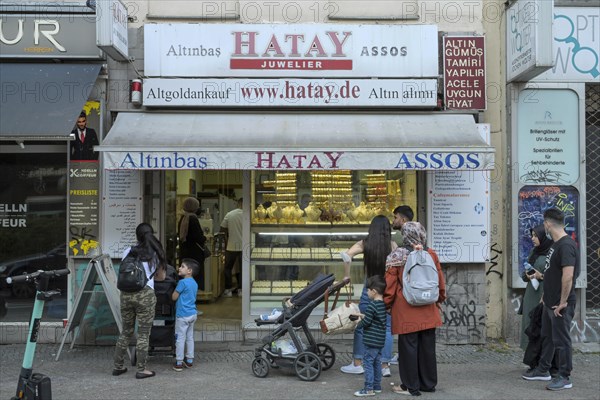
x=260 y=367
x=326 y=354
x=307 y=366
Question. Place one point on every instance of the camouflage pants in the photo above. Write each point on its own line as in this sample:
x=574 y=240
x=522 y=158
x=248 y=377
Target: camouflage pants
x=141 y=306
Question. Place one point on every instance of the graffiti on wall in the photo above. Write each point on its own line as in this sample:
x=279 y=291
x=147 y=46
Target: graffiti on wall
x=462 y=316
x=533 y=201
x=495 y=267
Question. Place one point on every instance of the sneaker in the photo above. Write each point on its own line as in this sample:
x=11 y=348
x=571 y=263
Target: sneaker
x=239 y=293
x=536 y=375
x=189 y=363
x=364 y=393
x=178 y=366
x=227 y=293
x=394 y=360
x=353 y=369
x=274 y=316
x=385 y=372
x=560 y=383
x=377 y=390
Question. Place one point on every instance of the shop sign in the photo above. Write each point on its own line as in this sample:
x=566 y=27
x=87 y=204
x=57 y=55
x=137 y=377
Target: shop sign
x=290 y=92
x=83 y=209
x=122 y=210
x=576 y=45
x=528 y=39
x=13 y=215
x=52 y=36
x=464 y=72
x=459 y=209
x=299 y=160
x=301 y=50
x=111 y=28
x=548 y=136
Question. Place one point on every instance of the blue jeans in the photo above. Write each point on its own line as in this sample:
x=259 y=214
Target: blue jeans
x=184 y=337
x=372 y=366
x=358 y=349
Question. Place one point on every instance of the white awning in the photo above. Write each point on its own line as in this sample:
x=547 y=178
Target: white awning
x=296 y=141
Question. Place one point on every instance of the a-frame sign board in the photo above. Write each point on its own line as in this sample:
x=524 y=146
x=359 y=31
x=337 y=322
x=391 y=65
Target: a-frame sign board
x=99 y=268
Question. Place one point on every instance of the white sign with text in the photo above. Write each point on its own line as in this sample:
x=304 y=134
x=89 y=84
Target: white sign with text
x=290 y=92
x=459 y=209
x=528 y=39
x=121 y=209
x=299 y=50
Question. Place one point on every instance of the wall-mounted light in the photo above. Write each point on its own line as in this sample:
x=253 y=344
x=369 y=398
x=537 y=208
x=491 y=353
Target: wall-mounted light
x=136 y=92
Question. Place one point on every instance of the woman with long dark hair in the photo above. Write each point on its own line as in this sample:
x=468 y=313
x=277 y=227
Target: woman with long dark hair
x=375 y=248
x=140 y=305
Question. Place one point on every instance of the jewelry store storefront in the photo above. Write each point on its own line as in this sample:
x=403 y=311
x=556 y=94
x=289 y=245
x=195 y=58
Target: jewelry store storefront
x=305 y=134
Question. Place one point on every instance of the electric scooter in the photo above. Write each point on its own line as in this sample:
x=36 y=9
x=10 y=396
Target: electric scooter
x=35 y=386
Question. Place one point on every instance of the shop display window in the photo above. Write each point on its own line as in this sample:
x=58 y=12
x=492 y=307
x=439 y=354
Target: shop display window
x=33 y=212
x=302 y=220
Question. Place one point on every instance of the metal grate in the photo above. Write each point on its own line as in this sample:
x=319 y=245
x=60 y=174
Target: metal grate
x=592 y=129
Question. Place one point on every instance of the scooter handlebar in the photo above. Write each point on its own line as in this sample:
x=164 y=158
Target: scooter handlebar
x=34 y=275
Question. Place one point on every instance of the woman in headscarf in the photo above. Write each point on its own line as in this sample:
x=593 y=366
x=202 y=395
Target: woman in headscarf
x=191 y=238
x=414 y=325
x=537 y=259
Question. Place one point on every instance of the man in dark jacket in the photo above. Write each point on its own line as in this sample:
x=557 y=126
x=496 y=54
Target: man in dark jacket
x=82 y=148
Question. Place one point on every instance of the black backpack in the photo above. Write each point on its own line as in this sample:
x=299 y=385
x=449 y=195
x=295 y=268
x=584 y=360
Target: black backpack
x=132 y=275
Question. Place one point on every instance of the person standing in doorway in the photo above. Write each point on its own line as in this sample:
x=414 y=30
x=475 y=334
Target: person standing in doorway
x=192 y=241
x=232 y=227
x=560 y=272
x=82 y=148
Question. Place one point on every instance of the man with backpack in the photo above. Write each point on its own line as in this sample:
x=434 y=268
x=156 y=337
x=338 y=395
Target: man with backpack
x=414 y=294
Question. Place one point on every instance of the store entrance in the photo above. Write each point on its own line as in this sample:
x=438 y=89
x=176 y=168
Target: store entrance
x=220 y=313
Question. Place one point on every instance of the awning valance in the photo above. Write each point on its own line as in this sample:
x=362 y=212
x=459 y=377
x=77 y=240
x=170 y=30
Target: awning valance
x=43 y=101
x=296 y=141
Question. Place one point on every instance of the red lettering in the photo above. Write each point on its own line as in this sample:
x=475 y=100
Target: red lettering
x=333 y=159
x=250 y=43
x=268 y=159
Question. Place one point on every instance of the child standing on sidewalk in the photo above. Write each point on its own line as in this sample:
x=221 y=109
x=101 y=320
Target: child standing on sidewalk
x=373 y=324
x=186 y=314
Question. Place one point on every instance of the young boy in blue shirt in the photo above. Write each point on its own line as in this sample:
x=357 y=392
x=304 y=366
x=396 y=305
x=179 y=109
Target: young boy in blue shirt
x=185 y=296
x=373 y=324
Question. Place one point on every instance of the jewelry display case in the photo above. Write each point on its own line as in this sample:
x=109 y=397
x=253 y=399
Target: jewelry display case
x=302 y=220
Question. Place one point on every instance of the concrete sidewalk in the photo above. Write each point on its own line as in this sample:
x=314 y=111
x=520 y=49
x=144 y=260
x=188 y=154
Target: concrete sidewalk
x=223 y=371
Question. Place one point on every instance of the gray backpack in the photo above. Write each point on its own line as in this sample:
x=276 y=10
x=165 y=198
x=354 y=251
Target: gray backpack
x=420 y=280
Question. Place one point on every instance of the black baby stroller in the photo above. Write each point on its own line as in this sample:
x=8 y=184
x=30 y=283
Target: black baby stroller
x=310 y=359
x=162 y=334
